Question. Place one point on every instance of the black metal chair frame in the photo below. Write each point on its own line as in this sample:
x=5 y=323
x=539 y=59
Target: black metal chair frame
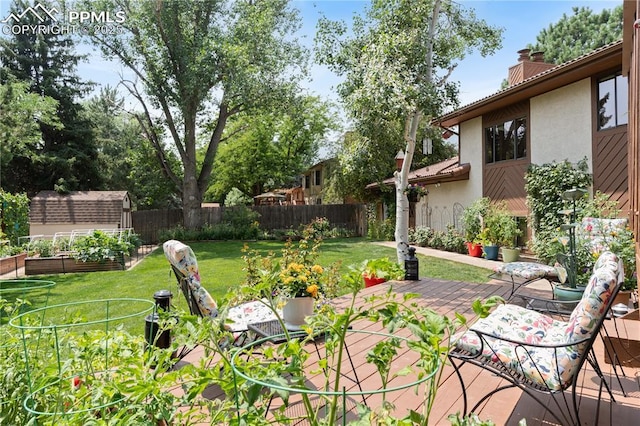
x=194 y=309
x=569 y=411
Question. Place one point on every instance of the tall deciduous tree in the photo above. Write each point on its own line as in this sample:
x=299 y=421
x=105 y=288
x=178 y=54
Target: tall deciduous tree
x=579 y=33
x=126 y=159
x=397 y=65
x=269 y=149
x=200 y=63
x=47 y=61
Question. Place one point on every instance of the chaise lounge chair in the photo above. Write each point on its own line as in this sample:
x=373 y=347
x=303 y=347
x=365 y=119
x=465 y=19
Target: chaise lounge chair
x=185 y=267
x=539 y=354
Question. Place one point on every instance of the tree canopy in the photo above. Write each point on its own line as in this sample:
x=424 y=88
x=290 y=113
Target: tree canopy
x=126 y=159
x=269 y=149
x=66 y=158
x=579 y=33
x=396 y=66
x=20 y=114
x=200 y=63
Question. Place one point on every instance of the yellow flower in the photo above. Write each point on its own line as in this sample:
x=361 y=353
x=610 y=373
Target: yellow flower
x=303 y=278
x=317 y=269
x=313 y=290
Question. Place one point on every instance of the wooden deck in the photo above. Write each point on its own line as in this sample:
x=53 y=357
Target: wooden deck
x=504 y=408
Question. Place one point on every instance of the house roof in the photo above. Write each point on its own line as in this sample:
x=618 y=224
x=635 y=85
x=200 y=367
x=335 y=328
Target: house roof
x=445 y=171
x=600 y=60
x=78 y=207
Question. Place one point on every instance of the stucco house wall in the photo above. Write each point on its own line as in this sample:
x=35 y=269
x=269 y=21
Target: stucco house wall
x=561 y=124
x=443 y=205
x=471 y=151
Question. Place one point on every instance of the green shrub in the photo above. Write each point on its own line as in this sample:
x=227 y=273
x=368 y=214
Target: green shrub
x=453 y=241
x=421 y=235
x=235 y=197
x=14 y=215
x=43 y=248
x=381 y=230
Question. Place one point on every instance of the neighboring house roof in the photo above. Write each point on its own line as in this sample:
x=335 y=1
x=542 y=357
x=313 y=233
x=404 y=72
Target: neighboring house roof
x=444 y=171
x=79 y=207
x=587 y=65
x=320 y=164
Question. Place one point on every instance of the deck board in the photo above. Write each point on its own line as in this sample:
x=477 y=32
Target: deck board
x=504 y=408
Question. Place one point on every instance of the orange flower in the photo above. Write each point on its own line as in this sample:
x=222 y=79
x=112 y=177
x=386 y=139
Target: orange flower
x=313 y=290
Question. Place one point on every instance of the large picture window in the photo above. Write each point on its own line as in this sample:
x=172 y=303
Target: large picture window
x=613 y=101
x=506 y=141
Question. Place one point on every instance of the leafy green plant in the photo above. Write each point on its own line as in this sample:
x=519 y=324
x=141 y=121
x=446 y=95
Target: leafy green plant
x=545 y=184
x=381 y=230
x=14 y=215
x=471 y=218
x=382 y=267
x=287 y=368
x=421 y=235
x=43 y=248
x=500 y=226
x=100 y=247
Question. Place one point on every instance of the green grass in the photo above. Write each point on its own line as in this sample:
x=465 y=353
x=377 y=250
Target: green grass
x=221 y=269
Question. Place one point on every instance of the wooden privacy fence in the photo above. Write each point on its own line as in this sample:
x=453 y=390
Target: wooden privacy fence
x=149 y=223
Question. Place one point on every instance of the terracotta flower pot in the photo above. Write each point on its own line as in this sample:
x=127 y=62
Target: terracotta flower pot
x=475 y=250
x=371 y=281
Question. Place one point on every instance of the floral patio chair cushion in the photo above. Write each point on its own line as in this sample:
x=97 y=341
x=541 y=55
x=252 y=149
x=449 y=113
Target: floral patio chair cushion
x=184 y=260
x=600 y=232
x=551 y=367
x=526 y=270
x=238 y=317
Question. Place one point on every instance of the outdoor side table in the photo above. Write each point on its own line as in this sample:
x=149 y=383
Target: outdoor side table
x=524 y=273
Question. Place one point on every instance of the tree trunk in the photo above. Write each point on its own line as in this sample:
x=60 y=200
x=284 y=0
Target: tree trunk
x=191 y=198
x=402 y=180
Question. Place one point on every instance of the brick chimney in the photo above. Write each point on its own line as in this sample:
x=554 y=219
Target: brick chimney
x=529 y=64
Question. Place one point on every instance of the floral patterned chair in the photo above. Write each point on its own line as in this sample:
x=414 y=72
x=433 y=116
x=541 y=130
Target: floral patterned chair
x=537 y=353
x=185 y=267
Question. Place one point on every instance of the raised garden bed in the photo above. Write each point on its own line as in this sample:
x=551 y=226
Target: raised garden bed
x=12 y=263
x=64 y=264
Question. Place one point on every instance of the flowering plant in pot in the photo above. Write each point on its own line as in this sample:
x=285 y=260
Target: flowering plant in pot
x=415 y=191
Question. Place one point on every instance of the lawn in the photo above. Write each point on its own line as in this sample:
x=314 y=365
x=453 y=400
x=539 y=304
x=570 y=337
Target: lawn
x=221 y=269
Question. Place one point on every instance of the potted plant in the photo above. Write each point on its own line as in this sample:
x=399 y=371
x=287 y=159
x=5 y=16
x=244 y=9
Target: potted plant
x=472 y=222
x=415 y=191
x=503 y=230
x=377 y=271
x=487 y=240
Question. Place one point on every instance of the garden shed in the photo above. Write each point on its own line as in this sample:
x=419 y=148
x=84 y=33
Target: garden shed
x=51 y=212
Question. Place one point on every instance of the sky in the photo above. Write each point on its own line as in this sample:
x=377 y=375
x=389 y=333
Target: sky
x=522 y=20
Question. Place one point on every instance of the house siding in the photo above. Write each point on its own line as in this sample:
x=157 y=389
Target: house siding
x=472 y=152
x=561 y=124
x=631 y=67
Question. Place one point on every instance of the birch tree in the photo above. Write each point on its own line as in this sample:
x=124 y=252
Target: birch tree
x=396 y=65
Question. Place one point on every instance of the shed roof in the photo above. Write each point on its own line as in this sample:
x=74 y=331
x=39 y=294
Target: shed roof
x=78 y=207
